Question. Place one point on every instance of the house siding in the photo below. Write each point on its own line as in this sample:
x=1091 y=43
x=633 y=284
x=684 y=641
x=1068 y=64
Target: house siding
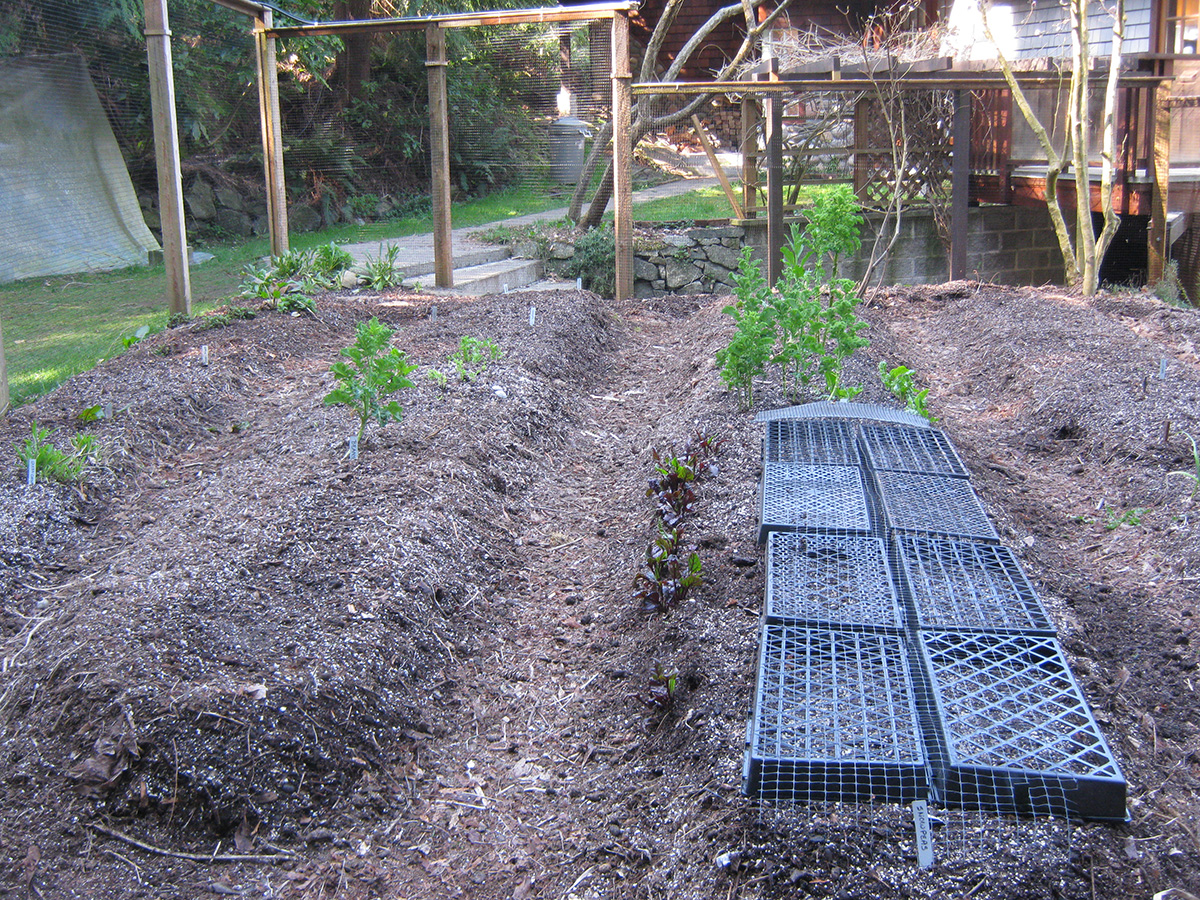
x=1042 y=29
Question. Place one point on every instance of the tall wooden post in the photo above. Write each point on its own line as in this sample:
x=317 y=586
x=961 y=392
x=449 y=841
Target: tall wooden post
x=751 y=122
x=622 y=101
x=272 y=134
x=439 y=152
x=960 y=185
x=4 y=396
x=166 y=157
x=774 y=141
x=1158 y=248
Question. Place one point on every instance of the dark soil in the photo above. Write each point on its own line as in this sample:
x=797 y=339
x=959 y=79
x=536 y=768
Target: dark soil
x=237 y=662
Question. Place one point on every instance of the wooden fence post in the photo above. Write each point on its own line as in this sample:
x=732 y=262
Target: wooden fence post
x=166 y=157
x=1160 y=178
x=439 y=150
x=622 y=100
x=774 y=141
x=272 y=136
x=960 y=185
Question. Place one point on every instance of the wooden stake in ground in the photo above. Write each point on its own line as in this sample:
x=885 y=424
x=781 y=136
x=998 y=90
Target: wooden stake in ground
x=4 y=398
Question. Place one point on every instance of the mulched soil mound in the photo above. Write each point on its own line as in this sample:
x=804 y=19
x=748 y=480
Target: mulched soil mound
x=236 y=661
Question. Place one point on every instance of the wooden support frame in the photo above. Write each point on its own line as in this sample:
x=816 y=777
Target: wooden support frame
x=773 y=114
x=272 y=133
x=1158 y=244
x=622 y=105
x=960 y=185
x=439 y=151
x=711 y=153
x=166 y=157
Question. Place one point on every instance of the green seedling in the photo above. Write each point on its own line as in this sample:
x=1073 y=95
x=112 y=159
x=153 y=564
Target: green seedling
x=473 y=357
x=899 y=382
x=1129 y=517
x=373 y=373
x=52 y=462
x=135 y=337
x=1194 y=474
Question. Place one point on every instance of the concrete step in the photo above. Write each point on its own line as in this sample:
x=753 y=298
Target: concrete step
x=488 y=278
x=464 y=258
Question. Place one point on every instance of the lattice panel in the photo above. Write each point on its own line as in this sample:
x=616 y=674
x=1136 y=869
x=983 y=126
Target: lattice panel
x=824 y=579
x=925 y=118
x=1015 y=720
x=834 y=718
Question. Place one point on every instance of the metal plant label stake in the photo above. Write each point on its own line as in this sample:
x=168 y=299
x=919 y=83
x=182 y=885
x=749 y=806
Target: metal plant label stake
x=920 y=809
x=353 y=446
x=31 y=472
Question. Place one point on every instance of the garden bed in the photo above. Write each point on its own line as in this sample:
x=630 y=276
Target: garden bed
x=422 y=673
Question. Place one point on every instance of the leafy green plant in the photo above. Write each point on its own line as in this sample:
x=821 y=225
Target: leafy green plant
x=807 y=324
x=373 y=373
x=438 y=377
x=671 y=485
x=1194 y=474
x=1129 y=517
x=381 y=269
x=52 y=462
x=132 y=339
x=670 y=572
x=473 y=357
x=899 y=382
x=221 y=318
x=329 y=260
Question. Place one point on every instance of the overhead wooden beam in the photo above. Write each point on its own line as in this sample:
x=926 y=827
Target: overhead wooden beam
x=622 y=105
x=949 y=81
x=582 y=13
x=272 y=134
x=166 y=157
x=439 y=155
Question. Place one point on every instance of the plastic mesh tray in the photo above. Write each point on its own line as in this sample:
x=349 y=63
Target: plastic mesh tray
x=958 y=584
x=1017 y=731
x=834 y=718
x=933 y=503
x=826 y=579
x=840 y=409
x=903 y=449
x=812 y=498
x=811 y=442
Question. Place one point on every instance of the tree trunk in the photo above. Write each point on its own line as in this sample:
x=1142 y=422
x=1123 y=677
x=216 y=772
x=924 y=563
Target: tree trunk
x=354 y=62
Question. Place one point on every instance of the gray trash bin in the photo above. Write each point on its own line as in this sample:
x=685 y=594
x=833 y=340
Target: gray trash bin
x=567 y=136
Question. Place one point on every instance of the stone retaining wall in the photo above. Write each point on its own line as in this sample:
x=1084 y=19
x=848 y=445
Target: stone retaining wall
x=1006 y=244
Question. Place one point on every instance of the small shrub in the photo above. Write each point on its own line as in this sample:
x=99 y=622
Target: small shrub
x=371 y=376
x=807 y=324
x=664 y=683
x=330 y=260
x=595 y=261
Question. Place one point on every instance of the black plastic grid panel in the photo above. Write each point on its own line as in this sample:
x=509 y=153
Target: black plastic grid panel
x=840 y=409
x=961 y=584
x=903 y=449
x=812 y=498
x=817 y=442
x=938 y=504
x=821 y=579
x=1017 y=731
x=834 y=718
